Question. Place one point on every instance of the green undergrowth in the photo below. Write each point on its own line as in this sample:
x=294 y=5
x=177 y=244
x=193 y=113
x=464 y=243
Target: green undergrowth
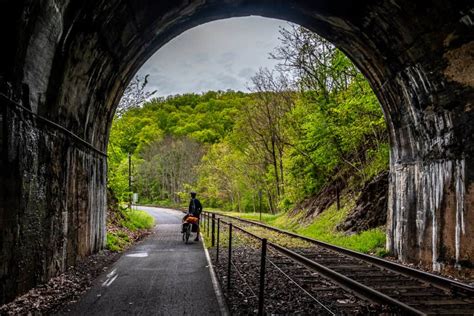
x=117 y=241
x=136 y=220
x=126 y=226
x=239 y=239
x=323 y=228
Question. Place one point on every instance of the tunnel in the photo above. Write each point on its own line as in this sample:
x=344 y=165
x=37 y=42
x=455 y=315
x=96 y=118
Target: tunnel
x=65 y=64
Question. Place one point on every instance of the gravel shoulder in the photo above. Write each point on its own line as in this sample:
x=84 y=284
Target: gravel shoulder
x=62 y=290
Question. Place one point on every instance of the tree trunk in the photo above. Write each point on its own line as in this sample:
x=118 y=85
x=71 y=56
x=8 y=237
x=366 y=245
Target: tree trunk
x=275 y=167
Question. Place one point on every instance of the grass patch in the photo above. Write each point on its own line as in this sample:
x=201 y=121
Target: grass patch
x=239 y=239
x=117 y=241
x=323 y=228
x=123 y=232
x=269 y=219
x=135 y=220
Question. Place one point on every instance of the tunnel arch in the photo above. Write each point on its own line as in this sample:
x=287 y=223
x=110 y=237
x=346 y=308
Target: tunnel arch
x=69 y=62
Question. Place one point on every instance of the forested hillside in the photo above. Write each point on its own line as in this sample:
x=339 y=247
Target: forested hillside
x=307 y=127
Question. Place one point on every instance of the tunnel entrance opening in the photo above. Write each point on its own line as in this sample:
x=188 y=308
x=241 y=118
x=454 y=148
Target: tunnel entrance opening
x=328 y=128
x=70 y=62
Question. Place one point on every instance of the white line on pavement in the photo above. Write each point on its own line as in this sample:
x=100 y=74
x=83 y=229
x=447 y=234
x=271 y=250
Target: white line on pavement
x=215 y=283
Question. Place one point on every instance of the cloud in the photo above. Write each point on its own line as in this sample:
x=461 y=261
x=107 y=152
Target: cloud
x=222 y=55
x=267 y=45
x=204 y=85
x=162 y=83
x=188 y=65
x=227 y=80
x=201 y=57
x=226 y=58
x=246 y=72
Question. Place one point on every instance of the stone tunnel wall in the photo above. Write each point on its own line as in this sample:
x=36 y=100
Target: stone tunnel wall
x=53 y=208
x=430 y=209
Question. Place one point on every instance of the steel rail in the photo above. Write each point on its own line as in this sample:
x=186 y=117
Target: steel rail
x=352 y=286
x=300 y=287
x=347 y=283
x=435 y=280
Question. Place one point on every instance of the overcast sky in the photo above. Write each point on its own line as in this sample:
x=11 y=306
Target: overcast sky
x=219 y=55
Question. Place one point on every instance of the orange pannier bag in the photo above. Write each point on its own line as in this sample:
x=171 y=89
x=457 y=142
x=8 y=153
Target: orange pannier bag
x=192 y=220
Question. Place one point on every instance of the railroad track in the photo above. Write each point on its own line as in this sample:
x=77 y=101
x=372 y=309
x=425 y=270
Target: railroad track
x=374 y=279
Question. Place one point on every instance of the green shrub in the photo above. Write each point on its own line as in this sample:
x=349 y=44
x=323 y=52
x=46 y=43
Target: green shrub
x=135 y=220
x=132 y=220
x=117 y=241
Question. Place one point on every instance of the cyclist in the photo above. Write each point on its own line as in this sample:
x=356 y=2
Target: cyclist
x=194 y=209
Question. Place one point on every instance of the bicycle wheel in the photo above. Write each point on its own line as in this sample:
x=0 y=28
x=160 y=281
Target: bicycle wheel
x=187 y=232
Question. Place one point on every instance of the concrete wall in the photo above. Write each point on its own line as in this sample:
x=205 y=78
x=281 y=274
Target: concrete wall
x=69 y=61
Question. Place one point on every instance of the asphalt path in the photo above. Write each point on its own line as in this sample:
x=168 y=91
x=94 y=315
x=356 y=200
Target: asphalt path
x=161 y=275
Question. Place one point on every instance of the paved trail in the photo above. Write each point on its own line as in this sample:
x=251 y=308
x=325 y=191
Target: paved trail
x=159 y=276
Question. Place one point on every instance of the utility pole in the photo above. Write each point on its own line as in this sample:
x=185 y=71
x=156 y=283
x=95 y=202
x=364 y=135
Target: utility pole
x=129 y=181
x=260 y=202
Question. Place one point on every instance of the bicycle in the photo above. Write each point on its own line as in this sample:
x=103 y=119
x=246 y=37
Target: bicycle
x=188 y=224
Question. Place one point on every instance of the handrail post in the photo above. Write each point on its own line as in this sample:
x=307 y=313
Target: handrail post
x=229 y=264
x=208 y=228
x=213 y=230
x=261 y=294
x=204 y=221
x=201 y=222
x=218 y=239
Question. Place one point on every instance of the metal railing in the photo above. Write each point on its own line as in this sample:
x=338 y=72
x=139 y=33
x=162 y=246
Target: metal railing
x=435 y=280
x=213 y=228
x=22 y=109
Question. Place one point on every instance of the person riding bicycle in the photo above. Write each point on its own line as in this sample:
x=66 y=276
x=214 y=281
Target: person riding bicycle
x=194 y=209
